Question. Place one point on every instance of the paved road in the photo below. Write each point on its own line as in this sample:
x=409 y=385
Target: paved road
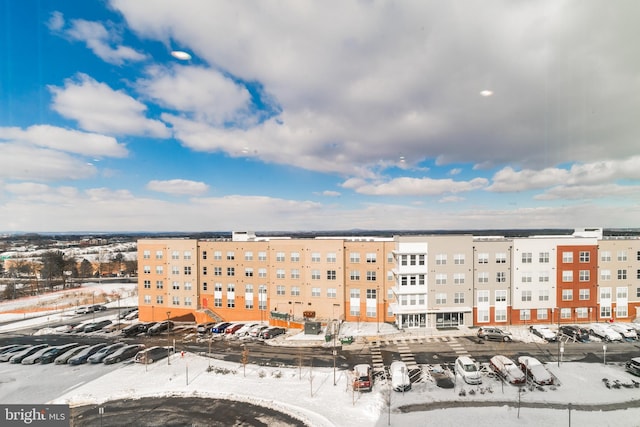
x=172 y=411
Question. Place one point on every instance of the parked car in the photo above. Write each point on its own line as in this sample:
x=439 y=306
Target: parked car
x=34 y=357
x=544 y=332
x=507 y=369
x=233 y=328
x=6 y=348
x=219 y=328
x=84 y=309
x=494 y=334
x=152 y=354
x=535 y=370
x=362 y=377
x=575 y=332
x=255 y=332
x=399 y=376
x=633 y=366
x=624 y=330
x=99 y=307
x=205 y=328
x=245 y=329
x=50 y=355
x=467 y=368
x=84 y=355
x=127 y=311
x=134 y=329
x=64 y=357
x=160 y=327
x=100 y=355
x=96 y=326
x=132 y=316
x=604 y=332
x=272 y=332
x=8 y=354
x=123 y=353
x=21 y=355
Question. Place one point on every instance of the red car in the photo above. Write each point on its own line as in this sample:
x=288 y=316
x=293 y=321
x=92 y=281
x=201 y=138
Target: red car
x=233 y=328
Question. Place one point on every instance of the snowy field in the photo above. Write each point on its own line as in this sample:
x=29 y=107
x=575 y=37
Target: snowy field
x=310 y=394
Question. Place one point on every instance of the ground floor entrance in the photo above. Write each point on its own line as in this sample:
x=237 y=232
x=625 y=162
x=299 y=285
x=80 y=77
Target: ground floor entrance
x=406 y=321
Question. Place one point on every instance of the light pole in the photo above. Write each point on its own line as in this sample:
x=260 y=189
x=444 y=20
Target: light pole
x=604 y=353
x=377 y=310
x=168 y=339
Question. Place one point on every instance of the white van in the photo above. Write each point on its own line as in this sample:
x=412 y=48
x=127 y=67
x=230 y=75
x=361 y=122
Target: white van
x=466 y=367
x=400 y=376
x=84 y=309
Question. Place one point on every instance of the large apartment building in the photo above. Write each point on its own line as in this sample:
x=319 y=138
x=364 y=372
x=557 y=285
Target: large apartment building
x=412 y=281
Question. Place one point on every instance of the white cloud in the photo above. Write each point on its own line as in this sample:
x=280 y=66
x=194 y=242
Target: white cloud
x=24 y=162
x=204 y=93
x=72 y=141
x=590 y=192
x=330 y=193
x=451 y=199
x=415 y=186
x=178 y=187
x=103 y=42
x=56 y=21
x=99 y=108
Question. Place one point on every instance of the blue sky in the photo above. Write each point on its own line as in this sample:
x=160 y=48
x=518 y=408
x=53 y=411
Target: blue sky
x=305 y=115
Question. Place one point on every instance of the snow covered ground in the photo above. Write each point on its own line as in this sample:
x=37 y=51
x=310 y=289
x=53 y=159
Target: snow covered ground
x=310 y=394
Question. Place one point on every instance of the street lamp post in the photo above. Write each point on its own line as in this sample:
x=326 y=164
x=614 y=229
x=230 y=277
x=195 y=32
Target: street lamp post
x=604 y=353
x=377 y=310
x=169 y=339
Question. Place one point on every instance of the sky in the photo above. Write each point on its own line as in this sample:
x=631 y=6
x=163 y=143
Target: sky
x=297 y=115
x=309 y=394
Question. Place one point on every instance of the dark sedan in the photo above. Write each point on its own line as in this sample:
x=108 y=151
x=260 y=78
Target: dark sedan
x=20 y=356
x=152 y=354
x=50 y=355
x=84 y=355
x=575 y=332
x=99 y=356
x=93 y=327
x=135 y=329
x=272 y=332
x=123 y=353
x=161 y=327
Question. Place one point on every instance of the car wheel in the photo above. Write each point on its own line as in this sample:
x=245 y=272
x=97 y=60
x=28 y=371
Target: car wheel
x=486 y=337
x=506 y=339
x=150 y=360
x=118 y=360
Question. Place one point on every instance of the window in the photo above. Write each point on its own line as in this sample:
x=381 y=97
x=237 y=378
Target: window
x=567 y=257
x=175 y=301
x=231 y=302
x=441 y=298
x=332 y=293
x=621 y=311
x=605 y=256
x=581 y=312
x=441 y=259
x=217 y=302
x=567 y=295
x=605 y=274
x=281 y=290
x=231 y=271
x=354 y=275
x=217 y=255
x=527 y=257
x=567 y=276
x=315 y=257
x=146 y=254
x=501 y=315
x=204 y=271
x=315 y=274
x=175 y=269
x=231 y=288
x=262 y=297
x=501 y=258
x=159 y=269
x=605 y=293
x=483 y=277
x=371 y=258
x=565 y=313
x=331 y=257
x=147 y=284
x=248 y=289
x=483 y=258
x=315 y=292
x=248 y=303
x=174 y=254
x=204 y=254
x=441 y=279
x=501 y=296
x=605 y=311
x=483 y=296
x=295 y=273
x=331 y=275
x=525 y=314
x=585 y=256
x=501 y=277
x=217 y=271
x=458 y=278
x=188 y=286
x=354 y=257
x=526 y=295
x=543 y=277
x=218 y=287
x=621 y=293
x=543 y=258
x=280 y=256
x=637 y=274
x=354 y=293
x=295 y=291
x=147 y=299
x=585 y=275
x=584 y=294
x=622 y=255
x=187 y=270
x=248 y=256
x=231 y=256
x=176 y=286
x=159 y=255
x=458 y=298
x=262 y=272
x=280 y=273
x=637 y=292
x=622 y=274
x=187 y=254
x=458 y=259
x=371 y=276
x=526 y=277
x=483 y=316
x=248 y=272
x=159 y=299
x=391 y=261
x=262 y=256
x=543 y=295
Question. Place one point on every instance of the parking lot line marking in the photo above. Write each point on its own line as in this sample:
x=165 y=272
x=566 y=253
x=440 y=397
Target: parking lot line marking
x=73 y=386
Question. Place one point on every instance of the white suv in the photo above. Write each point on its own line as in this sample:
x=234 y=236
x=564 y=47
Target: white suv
x=466 y=367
